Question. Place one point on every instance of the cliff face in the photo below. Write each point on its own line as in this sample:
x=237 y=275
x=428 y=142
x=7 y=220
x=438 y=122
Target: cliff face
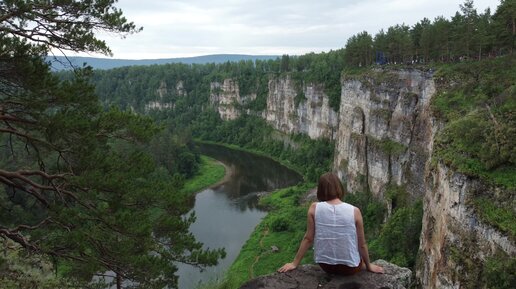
x=226 y=98
x=385 y=131
x=455 y=242
x=162 y=92
x=312 y=115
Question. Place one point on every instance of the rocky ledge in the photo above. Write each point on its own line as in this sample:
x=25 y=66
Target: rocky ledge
x=311 y=276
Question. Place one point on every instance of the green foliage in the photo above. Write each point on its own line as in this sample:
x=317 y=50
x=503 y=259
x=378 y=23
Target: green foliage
x=209 y=173
x=309 y=157
x=387 y=146
x=398 y=241
x=478 y=100
x=467 y=35
x=476 y=271
x=283 y=227
x=323 y=69
x=373 y=212
x=359 y=50
x=279 y=224
x=499 y=271
x=398 y=196
x=501 y=215
x=17 y=270
x=300 y=97
x=78 y=187
x=468 y=264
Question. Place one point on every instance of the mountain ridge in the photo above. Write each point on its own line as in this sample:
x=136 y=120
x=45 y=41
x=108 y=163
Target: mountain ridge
x=65 y=63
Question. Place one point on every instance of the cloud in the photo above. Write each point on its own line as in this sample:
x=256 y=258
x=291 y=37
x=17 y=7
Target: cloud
x=196 y=27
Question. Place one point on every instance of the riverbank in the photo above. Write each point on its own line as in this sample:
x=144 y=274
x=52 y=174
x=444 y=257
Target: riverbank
x=211 y=173
x=283 y=228
x=274 y=241
x=255 y=152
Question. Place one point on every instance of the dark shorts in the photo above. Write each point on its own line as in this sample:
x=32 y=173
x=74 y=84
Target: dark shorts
x=340 y=269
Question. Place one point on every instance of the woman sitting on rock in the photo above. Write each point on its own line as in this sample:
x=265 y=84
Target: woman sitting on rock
x=338 y=231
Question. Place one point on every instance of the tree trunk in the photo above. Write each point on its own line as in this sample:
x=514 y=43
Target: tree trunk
x=118 y=281
x=5 y=247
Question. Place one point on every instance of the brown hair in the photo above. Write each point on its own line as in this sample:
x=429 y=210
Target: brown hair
x=329 y=187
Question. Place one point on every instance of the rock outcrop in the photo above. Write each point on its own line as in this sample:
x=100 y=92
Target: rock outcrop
x=162 y=92
x=311 y=276
x=226 y=98
x=300 y=108
x=455 y=242
x=384 y=131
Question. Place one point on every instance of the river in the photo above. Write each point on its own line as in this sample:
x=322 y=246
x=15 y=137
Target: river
x=228 y=213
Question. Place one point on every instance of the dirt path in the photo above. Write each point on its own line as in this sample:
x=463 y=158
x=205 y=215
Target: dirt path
x=257 y=258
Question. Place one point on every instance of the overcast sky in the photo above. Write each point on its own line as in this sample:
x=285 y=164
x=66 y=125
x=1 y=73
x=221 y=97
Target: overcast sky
x=199 y=27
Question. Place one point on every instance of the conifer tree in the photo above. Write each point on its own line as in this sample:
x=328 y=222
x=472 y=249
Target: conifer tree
x=505 y=26
x=75 y=185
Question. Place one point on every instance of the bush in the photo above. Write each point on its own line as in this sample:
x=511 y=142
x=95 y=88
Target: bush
x=399 y=237
x=477 y=101
x=279 y=224
x=499 y=272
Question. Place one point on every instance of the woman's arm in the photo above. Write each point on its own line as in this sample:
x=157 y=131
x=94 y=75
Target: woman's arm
x=362 y=246
x=307 y=241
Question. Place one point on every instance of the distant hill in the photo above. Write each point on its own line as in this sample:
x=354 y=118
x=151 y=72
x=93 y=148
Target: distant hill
x=60 y=62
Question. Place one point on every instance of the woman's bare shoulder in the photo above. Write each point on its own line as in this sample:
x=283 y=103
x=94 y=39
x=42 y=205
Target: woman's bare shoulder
x=358 y=214
x=311 y=209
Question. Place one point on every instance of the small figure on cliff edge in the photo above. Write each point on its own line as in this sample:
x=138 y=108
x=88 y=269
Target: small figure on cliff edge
x=337 y=229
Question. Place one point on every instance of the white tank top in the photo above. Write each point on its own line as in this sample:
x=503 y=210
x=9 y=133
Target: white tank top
x=336 y=235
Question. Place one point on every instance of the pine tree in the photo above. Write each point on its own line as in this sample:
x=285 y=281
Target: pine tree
x=77 y=188
x=505 y=26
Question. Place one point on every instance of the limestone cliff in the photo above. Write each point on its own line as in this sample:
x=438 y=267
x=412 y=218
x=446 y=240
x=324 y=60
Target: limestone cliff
x=226 y=98
x=455 y=242
x=311 y=115
x=162 y=93
x=385 y=131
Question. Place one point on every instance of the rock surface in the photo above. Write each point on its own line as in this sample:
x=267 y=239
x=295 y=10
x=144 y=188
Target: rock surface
x=312 y=116
x=384 y=131
x=454 y=240
x=226 y=98
x=312 y=277
x=162 y=92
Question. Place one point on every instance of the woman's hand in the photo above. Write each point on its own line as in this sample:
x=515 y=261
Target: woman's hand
x=375 y=269
x=287 y=267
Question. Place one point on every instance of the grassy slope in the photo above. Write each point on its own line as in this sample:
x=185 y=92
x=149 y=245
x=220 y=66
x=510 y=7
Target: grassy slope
x=477 y=103
x=210 y=172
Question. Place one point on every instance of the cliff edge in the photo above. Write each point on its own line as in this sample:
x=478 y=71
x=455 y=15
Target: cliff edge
x=312 y=276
